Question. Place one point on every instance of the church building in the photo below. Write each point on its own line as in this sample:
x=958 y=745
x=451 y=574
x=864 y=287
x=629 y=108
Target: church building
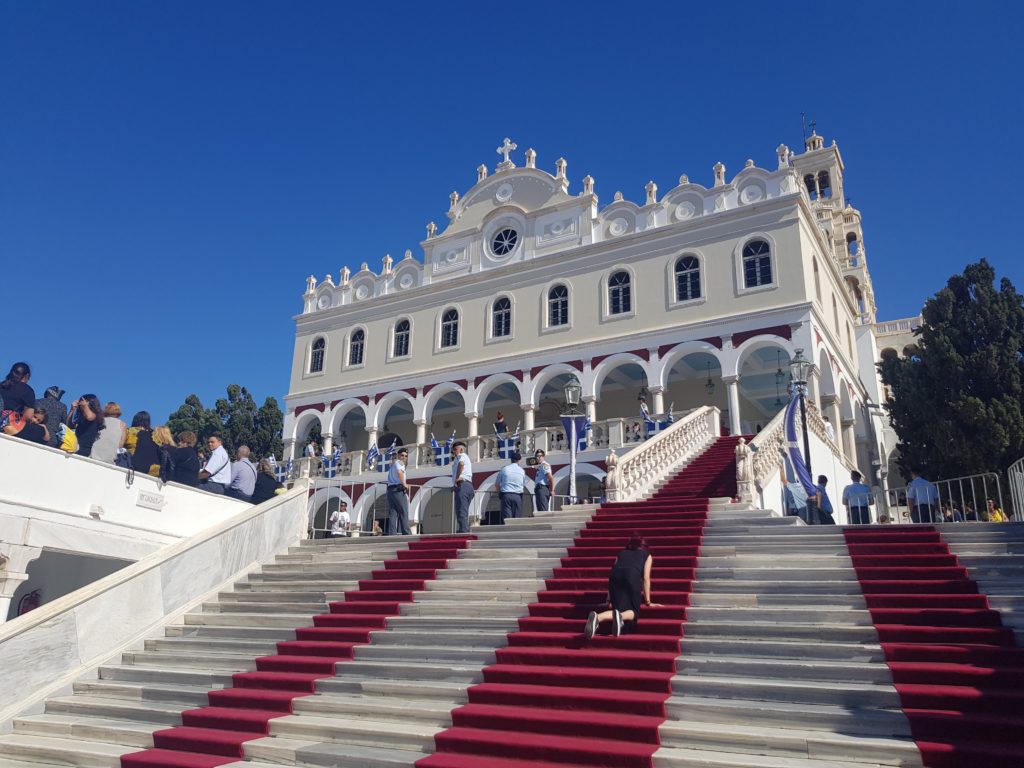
x=695 y=296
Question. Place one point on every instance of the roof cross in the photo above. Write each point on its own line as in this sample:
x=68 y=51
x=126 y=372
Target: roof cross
x=505 y=150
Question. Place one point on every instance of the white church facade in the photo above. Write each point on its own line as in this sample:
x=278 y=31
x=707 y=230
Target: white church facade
x=697 y=296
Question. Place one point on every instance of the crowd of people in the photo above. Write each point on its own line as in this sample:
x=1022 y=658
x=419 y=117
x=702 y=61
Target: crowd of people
x=97 y=431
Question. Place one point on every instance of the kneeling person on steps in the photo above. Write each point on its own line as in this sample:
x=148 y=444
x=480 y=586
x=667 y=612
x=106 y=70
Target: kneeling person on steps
x=629 y=587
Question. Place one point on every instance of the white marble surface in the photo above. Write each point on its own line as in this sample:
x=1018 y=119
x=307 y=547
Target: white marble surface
x=60 y=641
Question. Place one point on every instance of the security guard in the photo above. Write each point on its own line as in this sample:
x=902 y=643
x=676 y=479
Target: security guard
x=922 y=498
x=858 y=499
x=510 y=484
x=543 y=482
x=462 y=485
x=398 y=496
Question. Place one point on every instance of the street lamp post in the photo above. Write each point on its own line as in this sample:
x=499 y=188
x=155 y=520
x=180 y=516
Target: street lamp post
x=573 y=392
x=800 y=367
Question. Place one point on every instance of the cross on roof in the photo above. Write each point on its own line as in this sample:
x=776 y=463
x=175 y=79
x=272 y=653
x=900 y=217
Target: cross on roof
x=505 y=150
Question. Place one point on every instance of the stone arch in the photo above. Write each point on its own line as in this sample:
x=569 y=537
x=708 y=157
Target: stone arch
x=762 y=365
x=304 y=422
x=434 y=487
x=371 y=493
x=381 y=408
x=485 y=493
x=488 y=385
x=321 y=501
x=428 y=402
x=752 y=345
x=826 y=377
x=536 y=385
x=610 y=363
x=667 y=361
x=342 y=409
x=583 y=469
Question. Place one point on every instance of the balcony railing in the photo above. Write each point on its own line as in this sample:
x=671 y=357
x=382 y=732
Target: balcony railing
x=896 y=327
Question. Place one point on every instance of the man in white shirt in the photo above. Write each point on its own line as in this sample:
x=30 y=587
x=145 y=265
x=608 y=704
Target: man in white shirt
x=858 y=498
x=398 y=496
x=922 y=498
x=543 y=482
x=215 y=477
x=462 y=485
x=830 y=430
x=510 y=484
x=243 y=476
x=339 y=521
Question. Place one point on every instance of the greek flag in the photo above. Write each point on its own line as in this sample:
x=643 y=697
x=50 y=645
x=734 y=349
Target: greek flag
x=583 y=437
x=442 y=453
x=507 y=445
x=793 y=448
x=389 y=456
x=371 y=456
x=330 y=466
x=280 y=473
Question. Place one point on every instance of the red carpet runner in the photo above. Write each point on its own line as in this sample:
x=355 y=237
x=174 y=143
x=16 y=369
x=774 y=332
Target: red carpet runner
x=556 y=699
x=958 y=671
x=215 y=735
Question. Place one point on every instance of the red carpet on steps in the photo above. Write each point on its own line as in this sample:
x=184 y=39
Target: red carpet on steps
x=555 y=699
x=958 y=670
x=215 y=735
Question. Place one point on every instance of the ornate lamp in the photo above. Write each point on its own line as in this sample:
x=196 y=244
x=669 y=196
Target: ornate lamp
x=573 y=393
x=709 y=385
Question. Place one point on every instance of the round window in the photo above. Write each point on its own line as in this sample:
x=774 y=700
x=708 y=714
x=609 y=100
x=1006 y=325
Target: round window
x=504 y=242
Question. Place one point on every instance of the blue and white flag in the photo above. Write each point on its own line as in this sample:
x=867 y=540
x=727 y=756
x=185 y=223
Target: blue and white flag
x=583 y=436
x=280 y=472
x=330 y=466
x=796 y=458
x=507 y=445
x=372 y=455
x=442 y=453
x=389 y=456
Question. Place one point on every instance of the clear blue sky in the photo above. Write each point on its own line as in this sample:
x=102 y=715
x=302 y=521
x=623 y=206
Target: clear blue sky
x=170 y=172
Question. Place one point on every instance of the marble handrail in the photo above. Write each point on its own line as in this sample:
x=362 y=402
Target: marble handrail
x=635 y=474
x=48 y=648
x=767 y=449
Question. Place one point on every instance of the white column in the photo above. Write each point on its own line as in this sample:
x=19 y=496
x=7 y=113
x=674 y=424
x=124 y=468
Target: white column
x=372 y=432
x=289 y=451
x=421 y=432
x=328 y=443
x=659 y=399
x=732 y=391
x=813 y=385
x=474 y=421
x=14 y=560
x=528 y=414
x=590 y=403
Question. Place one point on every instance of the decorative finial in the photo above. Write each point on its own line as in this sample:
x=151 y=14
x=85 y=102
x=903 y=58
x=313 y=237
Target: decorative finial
x=588 y=185
x=782 y=151
x=684 y=179
x=364 y=267
x=408 y=255
x=329 y=280
x=311 y=284
x=431 y=230
x=652 y=192
x=531 y=158
x=507 y=148
x=345 y=274
x=749 y=163
x=617 y=197
x=454 y=200
x=481 y=172
x=560 y=166
x=386 y=262
x=719 y=169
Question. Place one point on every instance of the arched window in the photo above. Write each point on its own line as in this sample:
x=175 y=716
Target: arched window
x=824 y=184
x=355 y=347
x=501 y=318
x=757 y=264
x=402 y=333
x=316 y=359
x=687 y=278
x=620 y=299
x=558 y=306
x=812 y=187
x=817 y=281
x=450 y=328
x=851 y=244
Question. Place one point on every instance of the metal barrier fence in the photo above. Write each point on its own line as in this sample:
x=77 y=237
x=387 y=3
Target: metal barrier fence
x=960 y=499
x=1015 y=478
x=486 y=512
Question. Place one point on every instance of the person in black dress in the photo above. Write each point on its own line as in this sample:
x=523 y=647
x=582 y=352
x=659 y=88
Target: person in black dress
x=266 y=484
x=629 y=587
x=86 y=418
x=185 y=460
x=15 y=393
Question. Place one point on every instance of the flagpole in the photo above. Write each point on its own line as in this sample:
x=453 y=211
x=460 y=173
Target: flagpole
x=572 y=460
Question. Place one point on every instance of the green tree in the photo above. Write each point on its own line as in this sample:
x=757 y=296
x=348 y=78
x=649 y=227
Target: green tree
x=236 y=418
x=958 y=404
